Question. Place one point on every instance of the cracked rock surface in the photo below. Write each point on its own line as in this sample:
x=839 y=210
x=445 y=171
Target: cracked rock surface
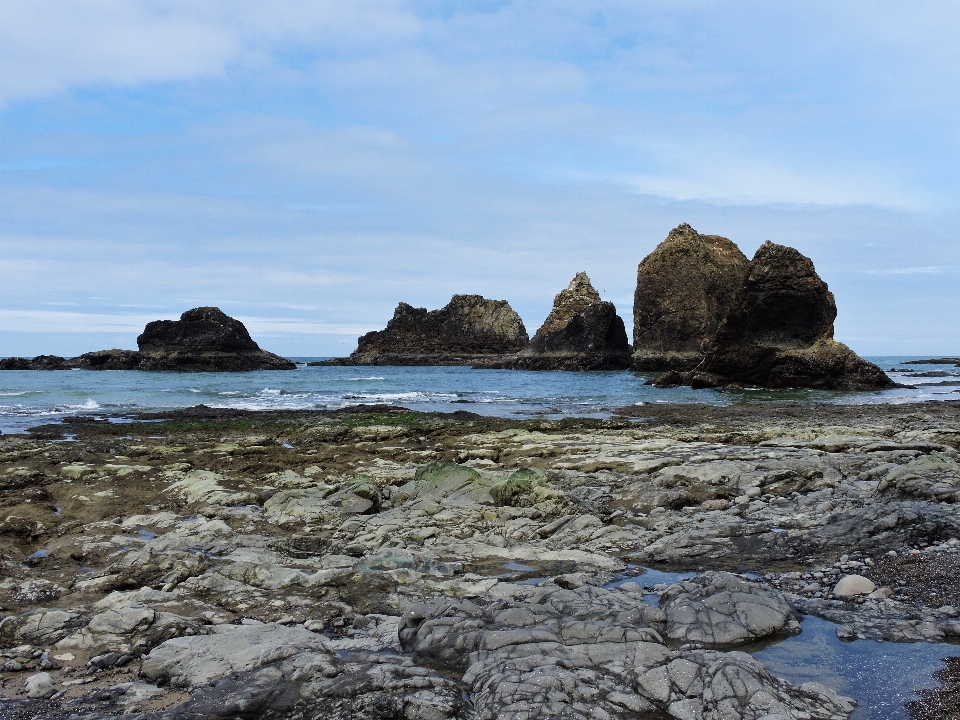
x=379 y=563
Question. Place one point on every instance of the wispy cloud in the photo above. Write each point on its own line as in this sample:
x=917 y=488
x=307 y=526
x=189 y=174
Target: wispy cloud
x=53 y=321
x=322 y=161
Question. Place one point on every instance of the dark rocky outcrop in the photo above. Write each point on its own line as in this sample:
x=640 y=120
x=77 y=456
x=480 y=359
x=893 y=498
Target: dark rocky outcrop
x=40 y=362
x=468 y=329
x=684 y=290
x=779 y=333
x=204 y=339
x=107 y=360
x=582 y=332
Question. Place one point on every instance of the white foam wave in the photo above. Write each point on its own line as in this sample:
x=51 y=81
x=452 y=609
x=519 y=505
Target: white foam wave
x=372 y=377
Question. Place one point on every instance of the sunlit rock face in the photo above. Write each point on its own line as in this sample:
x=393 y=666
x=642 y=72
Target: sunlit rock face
x=685 y=288
x=582 y=332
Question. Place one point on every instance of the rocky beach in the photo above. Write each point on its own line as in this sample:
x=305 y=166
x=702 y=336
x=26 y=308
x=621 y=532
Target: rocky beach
x=374 y=562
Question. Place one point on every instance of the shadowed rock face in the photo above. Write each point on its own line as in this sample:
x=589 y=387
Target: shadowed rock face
x=107 y=360
x=204 y=338
x=582 y=332
x=684 y=290
x=782 y=303
x=779 y=333
x=468 y=327
x=41 y=362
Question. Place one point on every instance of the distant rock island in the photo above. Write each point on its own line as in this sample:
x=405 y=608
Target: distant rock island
x=703 y=314
x=469 y=329
x=582 y=332
x=203 y=339
x=778 y=333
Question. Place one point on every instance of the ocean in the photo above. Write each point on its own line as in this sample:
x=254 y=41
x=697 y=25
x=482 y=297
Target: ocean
x=31 y=398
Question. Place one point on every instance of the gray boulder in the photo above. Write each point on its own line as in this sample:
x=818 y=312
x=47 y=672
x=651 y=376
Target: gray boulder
x=719 y=609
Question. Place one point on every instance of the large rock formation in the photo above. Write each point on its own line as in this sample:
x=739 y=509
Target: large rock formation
x=779 y=333
x=684 y=291
x=204 y=339
x=582 y=332
x=468 y=329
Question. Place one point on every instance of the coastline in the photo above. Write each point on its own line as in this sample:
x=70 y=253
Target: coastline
x=332 y=526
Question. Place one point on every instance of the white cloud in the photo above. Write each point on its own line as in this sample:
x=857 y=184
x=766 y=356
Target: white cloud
x=47 y=47
x=54 y=321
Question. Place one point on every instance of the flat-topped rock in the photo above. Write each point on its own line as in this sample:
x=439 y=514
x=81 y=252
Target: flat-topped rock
x=779 y=333
x=40 y=362
x=468 y=328
x=684 y=290
x=204 y=338
x=114 y=359
x=582 y=332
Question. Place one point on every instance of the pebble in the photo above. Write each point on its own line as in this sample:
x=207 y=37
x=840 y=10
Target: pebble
x=39 y=686
x=851 y=585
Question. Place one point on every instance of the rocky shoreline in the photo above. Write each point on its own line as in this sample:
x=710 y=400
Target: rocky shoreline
x=375 y=562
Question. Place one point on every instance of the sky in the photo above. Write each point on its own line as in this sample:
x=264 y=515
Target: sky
x=305 y=166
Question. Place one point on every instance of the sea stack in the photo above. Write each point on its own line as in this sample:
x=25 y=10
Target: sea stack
x=204 y=339
x=468 y=329
x=779 y=333
x=582 y=332
x=685 y=288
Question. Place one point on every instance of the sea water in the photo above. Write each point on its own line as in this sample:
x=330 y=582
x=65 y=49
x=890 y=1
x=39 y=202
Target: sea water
x=30 y=398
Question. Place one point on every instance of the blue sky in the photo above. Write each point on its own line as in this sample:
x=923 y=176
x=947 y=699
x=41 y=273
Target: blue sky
x=305 y=166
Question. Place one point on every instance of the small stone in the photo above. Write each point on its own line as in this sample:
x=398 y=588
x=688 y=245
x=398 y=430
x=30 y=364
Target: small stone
x=845 y=632
x=851 y=585
x=880 y=594
x=316 y=626
x=40 y=686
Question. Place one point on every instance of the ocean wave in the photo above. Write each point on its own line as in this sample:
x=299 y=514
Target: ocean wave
x=20 y=393
x=372 y=377
x=46 y=410
x=414 y=396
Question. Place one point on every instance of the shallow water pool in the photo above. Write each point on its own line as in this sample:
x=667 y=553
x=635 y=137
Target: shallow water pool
x=882 y=676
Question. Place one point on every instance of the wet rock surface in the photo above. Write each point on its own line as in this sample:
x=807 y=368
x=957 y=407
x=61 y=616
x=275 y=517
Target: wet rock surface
x=685 y=288
x=582 y=332
x=467 y=329
x=379 y=563
x=942 y=702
